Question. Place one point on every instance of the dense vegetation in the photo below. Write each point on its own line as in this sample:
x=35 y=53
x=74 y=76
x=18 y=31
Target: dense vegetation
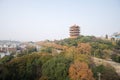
x=73 y=63
x=101 y=48
x=107 y=72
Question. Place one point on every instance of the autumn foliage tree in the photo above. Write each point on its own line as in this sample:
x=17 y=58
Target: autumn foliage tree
x=79 y=53
x=84 y=48
x=80 y=71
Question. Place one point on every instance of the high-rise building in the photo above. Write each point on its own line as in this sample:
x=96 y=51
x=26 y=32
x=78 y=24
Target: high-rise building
x=74 y=31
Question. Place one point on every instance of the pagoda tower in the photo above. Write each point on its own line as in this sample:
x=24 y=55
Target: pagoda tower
x=74 y=31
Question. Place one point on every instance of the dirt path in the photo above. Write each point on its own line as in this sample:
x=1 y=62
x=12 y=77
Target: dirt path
x=105 y=62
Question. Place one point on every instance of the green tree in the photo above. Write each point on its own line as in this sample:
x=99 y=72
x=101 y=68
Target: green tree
x=6 y=59
x=27 y=67
x=4 y=72
x=107 y=73
x=47 y=49
x=56 y=68
x=115 y=58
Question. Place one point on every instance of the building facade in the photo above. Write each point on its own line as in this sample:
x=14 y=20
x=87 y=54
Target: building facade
x=116 y=36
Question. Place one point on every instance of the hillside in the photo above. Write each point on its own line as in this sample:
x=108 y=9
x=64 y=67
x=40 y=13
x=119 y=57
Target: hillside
x=74 y=61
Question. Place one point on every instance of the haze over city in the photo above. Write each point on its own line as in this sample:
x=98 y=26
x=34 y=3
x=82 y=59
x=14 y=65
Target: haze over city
x=35 y=20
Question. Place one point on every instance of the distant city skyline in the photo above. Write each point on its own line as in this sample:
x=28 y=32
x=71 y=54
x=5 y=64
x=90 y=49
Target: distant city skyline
x=36 y=20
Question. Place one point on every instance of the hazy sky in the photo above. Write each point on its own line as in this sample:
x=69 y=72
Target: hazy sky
x=36 y=20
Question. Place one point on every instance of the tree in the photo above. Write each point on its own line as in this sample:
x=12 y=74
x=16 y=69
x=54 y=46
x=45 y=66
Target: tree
x=56 y=68
x=80 y=71
x=27 y=67
x=106 y=36
x=117 y=47
x=106 y=54
x=47 y=49
x=74 y=54
x=84 y=48
x=6 y=59
x=3 y=72
x=107 y=72
x=70 y=52
x=115 y=58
